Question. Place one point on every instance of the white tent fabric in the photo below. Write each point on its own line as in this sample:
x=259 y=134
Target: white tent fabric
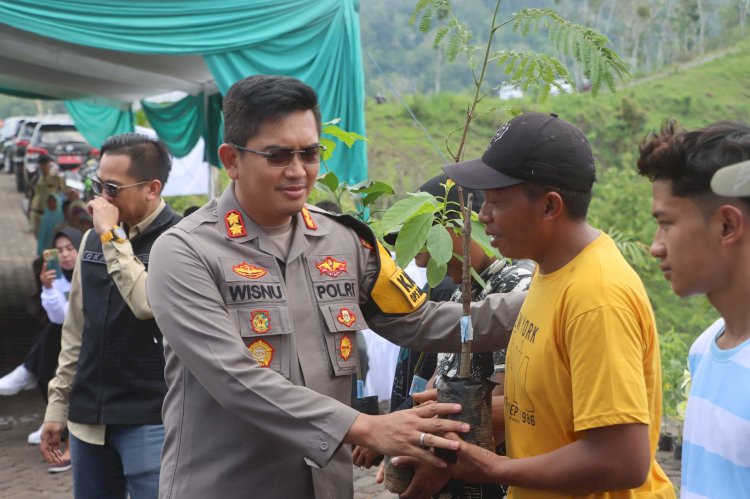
x=189 y=175
x=62 y=70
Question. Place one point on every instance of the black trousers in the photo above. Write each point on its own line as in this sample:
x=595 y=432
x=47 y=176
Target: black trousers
x=42 y=358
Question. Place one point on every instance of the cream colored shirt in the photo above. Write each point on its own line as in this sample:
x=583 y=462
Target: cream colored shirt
x=129 y=275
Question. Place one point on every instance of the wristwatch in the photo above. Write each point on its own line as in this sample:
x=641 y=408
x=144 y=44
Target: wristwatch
x=115 y=234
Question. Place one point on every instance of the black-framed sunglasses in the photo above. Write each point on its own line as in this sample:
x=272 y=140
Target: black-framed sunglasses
x=282 y=157
x=100 y=187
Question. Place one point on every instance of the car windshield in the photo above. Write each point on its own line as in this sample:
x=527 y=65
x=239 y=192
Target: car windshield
x=27 y=131
x=59 y=135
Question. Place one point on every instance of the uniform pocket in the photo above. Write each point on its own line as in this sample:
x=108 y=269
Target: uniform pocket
x=342 y=320
x=265 y=331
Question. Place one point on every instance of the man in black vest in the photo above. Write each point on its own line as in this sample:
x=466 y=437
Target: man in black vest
x=109 y=386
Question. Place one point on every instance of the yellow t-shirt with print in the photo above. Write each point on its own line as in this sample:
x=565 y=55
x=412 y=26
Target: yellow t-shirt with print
x=584 y=354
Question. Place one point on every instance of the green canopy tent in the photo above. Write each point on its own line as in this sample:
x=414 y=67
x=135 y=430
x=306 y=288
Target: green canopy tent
x=103 y=56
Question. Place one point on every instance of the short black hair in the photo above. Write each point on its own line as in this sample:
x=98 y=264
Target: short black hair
x=257 y=99
x=329 y=205
x=576 y=202
x=149 y=158
x=689 y=159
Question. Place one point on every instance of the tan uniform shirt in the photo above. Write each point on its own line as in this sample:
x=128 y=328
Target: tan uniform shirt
x=129 y=275
x=260 y=349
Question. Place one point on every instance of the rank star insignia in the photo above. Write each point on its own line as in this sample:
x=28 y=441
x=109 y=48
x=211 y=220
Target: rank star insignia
x=345 y=346
x=262 y=352
x=309 y=222
x=331 y=267
x=244 y=269
x=346 y=317
x=260 y=322
x=235 y=224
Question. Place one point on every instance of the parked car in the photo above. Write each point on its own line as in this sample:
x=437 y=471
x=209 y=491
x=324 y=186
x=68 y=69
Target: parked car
x=7 y=135
x=61 y=141
x=18 y=151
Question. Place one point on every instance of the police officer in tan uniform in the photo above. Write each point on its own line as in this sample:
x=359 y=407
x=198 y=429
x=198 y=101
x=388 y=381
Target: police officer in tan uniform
x=45 y=184
x=259 y=297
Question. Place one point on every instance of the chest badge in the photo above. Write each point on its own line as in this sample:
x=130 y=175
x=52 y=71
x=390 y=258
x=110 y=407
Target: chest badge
x=331 y=267
x=235 y=224
x=308 y=219
x=346 y=317
x=365 y=244
x=345 y=346
x=260 y=322
x=262 y=352
x=244 y=269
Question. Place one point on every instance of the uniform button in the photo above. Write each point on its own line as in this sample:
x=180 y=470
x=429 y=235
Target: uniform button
x=324 y=446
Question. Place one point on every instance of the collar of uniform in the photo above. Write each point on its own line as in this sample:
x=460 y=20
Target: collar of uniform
x=138 y=228
x=228 y=203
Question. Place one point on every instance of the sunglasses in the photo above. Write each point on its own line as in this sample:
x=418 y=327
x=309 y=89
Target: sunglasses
x=282 y=157
x=100 y=187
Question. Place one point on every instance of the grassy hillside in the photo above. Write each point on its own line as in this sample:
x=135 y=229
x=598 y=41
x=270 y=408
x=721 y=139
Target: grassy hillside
x=696 y=94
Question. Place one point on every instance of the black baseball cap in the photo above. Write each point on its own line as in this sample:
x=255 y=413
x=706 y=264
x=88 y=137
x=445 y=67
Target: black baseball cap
x=532 y=147
x=434 y=187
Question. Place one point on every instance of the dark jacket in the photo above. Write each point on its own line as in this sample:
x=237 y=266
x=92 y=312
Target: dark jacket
x=120 y=376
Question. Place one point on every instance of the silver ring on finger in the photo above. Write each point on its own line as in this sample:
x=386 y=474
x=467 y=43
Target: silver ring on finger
x=422 y=436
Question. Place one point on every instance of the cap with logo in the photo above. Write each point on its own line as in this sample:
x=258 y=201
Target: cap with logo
x=732 y=180
x=532 y=147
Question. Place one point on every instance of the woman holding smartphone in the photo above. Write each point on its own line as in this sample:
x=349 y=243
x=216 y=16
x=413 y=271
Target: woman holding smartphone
x=41 y=363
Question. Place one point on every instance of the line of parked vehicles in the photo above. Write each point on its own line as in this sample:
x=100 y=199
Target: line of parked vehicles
x=24 y=139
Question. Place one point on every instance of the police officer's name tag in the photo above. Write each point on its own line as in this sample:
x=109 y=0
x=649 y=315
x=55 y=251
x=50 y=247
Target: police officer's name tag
x=408 y=287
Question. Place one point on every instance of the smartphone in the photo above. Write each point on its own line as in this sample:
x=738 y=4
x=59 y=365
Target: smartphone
x=52 y=259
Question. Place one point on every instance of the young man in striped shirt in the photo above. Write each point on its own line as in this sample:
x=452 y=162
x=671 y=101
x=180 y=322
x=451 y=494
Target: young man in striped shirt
x=703 y=244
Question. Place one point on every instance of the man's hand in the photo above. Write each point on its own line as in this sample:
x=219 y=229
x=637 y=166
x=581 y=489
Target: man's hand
x=474 y=463
x=425 y=396
x=427 y=480
x=364 y=457
x=50 y=446
x=105 y=214
x=398 y=433
x=47 y=276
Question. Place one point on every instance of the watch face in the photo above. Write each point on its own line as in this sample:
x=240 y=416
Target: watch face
x=119 y=233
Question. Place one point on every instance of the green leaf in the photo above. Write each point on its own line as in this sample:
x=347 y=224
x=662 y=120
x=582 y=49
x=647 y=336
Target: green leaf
x=374 y=186
x=482 y=239
x=348 y=138
x=330 y=147
x=439 y=244
x=435 y=272
x=330 y=181
x=416 y=204
x=412 y=237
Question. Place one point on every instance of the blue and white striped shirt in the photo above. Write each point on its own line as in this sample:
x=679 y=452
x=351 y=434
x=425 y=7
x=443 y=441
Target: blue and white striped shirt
x=716 y=438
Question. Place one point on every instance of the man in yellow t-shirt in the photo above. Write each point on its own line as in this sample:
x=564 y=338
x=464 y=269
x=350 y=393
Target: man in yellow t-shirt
x=583 y=374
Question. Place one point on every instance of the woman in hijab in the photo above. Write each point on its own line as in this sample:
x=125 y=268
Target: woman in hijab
x=52 y=217
x=41 y=363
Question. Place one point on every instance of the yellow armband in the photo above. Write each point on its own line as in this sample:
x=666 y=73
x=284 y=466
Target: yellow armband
x=394 y=291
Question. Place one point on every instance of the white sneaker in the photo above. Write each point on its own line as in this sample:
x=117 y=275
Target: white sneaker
x=35 y=438
x=17 y=380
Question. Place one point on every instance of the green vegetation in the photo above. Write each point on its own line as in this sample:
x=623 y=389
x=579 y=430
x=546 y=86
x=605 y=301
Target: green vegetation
x=400 y=154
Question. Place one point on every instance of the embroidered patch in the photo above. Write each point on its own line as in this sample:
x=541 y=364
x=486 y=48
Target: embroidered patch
x=407 y=286
x=260 y=322
x=309 y=222
x=346 y=317
x=331 y=267
x=244 y=269
x=365 y=244
x=345 y=346
x=262 y=352
x=235 y=224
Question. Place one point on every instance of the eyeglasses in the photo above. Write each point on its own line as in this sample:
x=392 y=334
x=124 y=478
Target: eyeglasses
x=282 y=157
x=111 y=189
